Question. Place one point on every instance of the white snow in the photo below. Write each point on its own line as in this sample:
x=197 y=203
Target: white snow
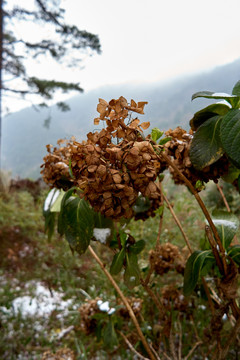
x=101 y=234
x=41 y=304
x=104 y=306
x=229 y=224
x=223 y=94
x=51 y=198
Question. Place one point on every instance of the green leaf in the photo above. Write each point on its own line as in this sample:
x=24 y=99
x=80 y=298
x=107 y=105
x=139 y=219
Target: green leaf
x=208 y=112
x=117 y=262
x=234 y=253
x=233 y=100
x=137 y=247
x=156 y=134
x=77 y=223
x=56 y=206
x=164 y=140
x=236 y=89
x=206 y=147
x=193 y=270
x=66 y=196
x=232 y=175
x=227 y=225
x=132 y=272
x=109 y=336
x=52 y=196
x=49 y=223
x=230 y=135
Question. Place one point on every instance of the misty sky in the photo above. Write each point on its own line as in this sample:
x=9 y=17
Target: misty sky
x=146 y=41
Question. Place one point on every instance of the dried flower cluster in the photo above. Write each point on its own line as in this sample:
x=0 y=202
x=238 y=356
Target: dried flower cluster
x=166 y=257
x=113 y=166
x=172 y=298
x=135 y=303
x=178 y=150
x=87 y=310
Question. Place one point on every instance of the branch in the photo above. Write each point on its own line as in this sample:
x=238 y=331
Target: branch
x=126 y=303
x=178 y=224
x=203 y=207
x=131 y=347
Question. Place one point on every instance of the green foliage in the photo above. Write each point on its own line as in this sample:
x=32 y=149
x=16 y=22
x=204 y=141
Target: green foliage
x=206 y=136
x=109 y=336
x=217 y=130
x=117 y=262
x=132 y=272
x=193 y=269
x=230 y=135
x=227 y=225
x=234 y=253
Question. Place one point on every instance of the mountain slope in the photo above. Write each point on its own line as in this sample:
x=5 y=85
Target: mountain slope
x=169 y=105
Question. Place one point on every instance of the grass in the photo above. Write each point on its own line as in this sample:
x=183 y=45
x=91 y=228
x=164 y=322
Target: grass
x=29 y=262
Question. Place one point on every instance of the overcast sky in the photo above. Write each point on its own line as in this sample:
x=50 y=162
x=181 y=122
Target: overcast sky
x=151 y=40
x=148 y=41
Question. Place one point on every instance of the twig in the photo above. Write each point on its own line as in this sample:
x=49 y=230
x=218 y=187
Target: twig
x=157 y=302
x=178 y=223
x=154 y=351
x=227 y=206
x=146 y=281
x=180 y=340
x=161 y=216
x=231 y=339
x=223 y=197
x=210 y=302
x=166 y=356
x=192 y=350
x=159 y=230
x=126 y=303
x=131 y=347
x=172 y=346
x=203 y=207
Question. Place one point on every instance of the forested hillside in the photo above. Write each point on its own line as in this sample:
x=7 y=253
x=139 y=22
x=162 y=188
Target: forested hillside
x=169 y=104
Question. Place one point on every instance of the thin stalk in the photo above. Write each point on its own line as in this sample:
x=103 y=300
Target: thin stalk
x=157 y=302
x=222 y=259
x=126 y=303
x=204 y=210
x=223 y=197
x=131 y=347
x=178 y=223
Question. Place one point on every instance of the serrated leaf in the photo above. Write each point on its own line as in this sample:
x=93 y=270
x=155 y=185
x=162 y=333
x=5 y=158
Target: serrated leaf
x=156 y=134
x=137 y=247
x=109 y=336
x=230 y=135
x=132 y=272
x=206 y=147
x=193 y=270
x=236 y=89
x=117 y=262
x=234 y=253
x=77 y=223
x=208 y=112
x=227 y=225
x=233 y=100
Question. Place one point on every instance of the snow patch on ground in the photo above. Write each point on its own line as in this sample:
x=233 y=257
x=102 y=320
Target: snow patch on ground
x=41 y=303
